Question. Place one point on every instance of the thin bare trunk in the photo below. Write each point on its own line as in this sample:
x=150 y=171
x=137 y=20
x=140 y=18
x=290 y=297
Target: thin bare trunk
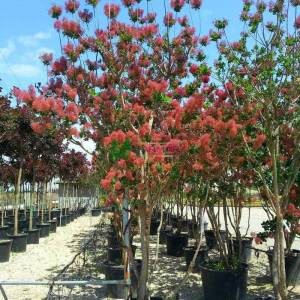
x=143 y=279
x=17 y=201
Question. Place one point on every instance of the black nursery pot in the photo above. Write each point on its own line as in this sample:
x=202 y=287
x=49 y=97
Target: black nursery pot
x=211 y=240
x=72 y=215
x=224 y=285
x=3 y=232
x=114 y=255
x=114 y=272
x=176 y=244
x=202 y=256
x=292 y=266
x=68 y=219
x=55 y=213
x=96 y=212
x=183 y=225
x=33 y=236
x=163 y=235
x=45 y=229
x=246 y=250
x=5 y=249
x=154 y=226
x=62 y=221
x=19 y=242
x=53 y=225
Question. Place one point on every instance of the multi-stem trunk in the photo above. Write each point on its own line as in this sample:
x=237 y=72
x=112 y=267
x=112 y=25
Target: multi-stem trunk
x=143 y=279
x=278 y=262
x=17 y=201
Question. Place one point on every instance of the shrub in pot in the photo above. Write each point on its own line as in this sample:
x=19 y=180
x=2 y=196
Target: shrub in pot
x=270 y=134
x=221 y=283
x=292 y=256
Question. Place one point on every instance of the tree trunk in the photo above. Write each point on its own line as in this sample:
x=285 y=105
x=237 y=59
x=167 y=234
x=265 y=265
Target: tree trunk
x=143 y=279
x=278 y=262
x=17 y=201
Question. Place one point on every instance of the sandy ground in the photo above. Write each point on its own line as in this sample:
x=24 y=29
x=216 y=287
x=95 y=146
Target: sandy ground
x=45 y=260
x=41 y=262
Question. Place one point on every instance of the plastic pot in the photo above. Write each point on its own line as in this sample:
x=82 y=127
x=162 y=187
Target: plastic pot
x=163 y=235
x=114 y=255
x=72 y=214
x=3 y=232
x=292 y=266
x=62 y=221
x=112 y=240
x=82 y=211
x=68 y=219
x=224 y=285
x=55 y=213
x=114 y=272
x=210 y=238
x=45 y=229
x=19 y=242
x=189 y=253
x=246 y=250
x=33 y=236
x=96 y=212
x=183 y=225
x=5 y=249
x=22 y=225
x=154 y=226
x=53 y=225
x=176 y=244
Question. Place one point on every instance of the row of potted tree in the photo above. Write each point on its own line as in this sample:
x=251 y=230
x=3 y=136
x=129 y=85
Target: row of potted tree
x=30 y=165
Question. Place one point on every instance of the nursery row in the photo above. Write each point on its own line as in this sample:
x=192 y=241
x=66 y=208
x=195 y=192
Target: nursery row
x=200 y=248
x=43 y=224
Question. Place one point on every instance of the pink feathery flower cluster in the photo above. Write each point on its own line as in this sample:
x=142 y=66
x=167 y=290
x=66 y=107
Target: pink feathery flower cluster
x=177 y=4
x=111 y=10
x=55 y=11
x=70 y=28
x=196 y=4
x=46 y=58
x=71 y=6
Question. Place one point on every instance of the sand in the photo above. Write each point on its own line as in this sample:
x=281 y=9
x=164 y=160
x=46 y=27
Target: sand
x=43 y=261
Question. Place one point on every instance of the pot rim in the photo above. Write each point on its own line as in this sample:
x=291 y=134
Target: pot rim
x=18 y=235
x=205 y=267
x=193 y=248
x=32 y=230
x=6 y=241
x=177 y=235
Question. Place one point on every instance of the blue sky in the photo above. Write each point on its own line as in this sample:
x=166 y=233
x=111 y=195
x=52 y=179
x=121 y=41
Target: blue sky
x=26 y=32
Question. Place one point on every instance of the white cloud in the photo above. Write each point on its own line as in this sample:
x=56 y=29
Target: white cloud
x=24 y=70
x=32 y=40
x=6 y=51
x=42 y=50
x=35 y=54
